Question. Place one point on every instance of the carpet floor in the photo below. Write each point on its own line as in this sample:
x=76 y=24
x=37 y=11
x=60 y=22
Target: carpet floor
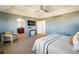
x=20 y=46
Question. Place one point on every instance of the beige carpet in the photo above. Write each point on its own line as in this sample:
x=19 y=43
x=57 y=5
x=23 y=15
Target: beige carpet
x=20 y=46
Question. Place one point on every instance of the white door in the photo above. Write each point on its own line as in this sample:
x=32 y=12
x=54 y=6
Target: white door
x=41 y=27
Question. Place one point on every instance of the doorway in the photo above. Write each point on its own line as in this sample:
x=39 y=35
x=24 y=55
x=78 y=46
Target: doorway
x=41 y=27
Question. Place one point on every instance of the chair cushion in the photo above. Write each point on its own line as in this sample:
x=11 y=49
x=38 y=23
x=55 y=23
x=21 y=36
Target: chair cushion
x=8 y=33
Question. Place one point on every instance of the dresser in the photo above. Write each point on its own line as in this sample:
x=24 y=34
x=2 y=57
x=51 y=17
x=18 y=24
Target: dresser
x=20 y=32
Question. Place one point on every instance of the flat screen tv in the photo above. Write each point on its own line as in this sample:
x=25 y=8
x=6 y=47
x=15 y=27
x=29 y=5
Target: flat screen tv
x=31 y=23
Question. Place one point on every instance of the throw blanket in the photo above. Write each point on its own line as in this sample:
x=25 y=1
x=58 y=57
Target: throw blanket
x=41 y=44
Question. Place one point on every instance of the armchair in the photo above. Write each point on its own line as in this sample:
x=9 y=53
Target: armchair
x=8 y=36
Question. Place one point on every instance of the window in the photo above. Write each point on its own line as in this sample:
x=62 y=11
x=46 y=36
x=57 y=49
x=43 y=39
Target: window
x=20 y=23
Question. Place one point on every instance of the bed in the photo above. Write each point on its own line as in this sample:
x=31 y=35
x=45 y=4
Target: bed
x=54 y=44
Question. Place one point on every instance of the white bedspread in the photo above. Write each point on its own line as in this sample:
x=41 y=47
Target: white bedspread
x=54 y=43
x=61 y=46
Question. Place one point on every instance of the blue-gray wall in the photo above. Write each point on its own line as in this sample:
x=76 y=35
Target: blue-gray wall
x=0 y=21
x=8 y=22
x=66 y=24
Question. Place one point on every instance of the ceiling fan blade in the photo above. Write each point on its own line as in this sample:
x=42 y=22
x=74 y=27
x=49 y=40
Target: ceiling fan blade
x=46 y=11
x=41 y=7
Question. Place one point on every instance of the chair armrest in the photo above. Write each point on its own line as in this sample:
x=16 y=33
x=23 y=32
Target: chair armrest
x=14 y=34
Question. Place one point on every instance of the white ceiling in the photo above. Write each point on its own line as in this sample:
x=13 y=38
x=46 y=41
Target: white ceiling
x=30 y=10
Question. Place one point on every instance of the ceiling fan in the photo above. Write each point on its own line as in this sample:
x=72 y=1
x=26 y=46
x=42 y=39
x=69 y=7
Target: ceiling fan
x=42 y=8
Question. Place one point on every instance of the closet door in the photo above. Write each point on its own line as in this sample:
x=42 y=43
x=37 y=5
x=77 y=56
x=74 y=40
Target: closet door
x=41 y=27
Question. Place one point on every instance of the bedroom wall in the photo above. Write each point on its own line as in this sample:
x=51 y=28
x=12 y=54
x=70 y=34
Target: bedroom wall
x=0 y=21
x=67 y=24
x=8 y=22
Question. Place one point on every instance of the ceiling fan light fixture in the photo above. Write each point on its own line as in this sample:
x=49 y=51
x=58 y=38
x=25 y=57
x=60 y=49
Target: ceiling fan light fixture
x=42 y=8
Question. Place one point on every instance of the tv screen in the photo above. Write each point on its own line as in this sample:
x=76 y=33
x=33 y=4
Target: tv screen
x=31 y=23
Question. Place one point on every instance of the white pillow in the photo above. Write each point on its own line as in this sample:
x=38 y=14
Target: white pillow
x=76 y=41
